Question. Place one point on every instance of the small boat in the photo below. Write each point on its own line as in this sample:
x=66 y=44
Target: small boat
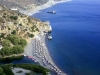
x=52 y=12
x=49 y=37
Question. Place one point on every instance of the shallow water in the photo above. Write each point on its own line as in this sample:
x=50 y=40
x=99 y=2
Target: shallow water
x=76 y=36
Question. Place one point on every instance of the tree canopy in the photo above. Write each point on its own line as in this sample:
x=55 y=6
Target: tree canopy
x=6 y=43
x=17 y=47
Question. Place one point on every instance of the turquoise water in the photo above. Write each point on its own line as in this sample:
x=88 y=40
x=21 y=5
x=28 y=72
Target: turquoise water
x=75 y=47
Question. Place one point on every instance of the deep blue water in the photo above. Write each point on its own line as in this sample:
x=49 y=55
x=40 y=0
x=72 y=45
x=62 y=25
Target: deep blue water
x=75 y=46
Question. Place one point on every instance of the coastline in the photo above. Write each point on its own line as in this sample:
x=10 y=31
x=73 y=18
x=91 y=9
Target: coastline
x=74 y=68
x=50 y=3
x=33 y=52
x=38 y=52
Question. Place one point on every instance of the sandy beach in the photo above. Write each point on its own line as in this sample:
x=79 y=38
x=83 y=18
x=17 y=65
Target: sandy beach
x=36 y=9
x=38 y=52
x=37 y=49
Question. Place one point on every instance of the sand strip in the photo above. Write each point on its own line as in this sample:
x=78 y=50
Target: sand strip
x=38 y=51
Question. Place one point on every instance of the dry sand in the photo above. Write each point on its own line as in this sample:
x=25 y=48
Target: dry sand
x=38 y=50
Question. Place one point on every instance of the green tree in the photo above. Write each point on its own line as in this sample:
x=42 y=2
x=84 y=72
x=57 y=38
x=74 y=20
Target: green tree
x=16 y=41
x=12 y=37
x=14 y=32
x=5 y=51
x=13 y=17
x=17 y=49
x=6 y=43
x=7 y=70
x=23 y=42
x=1 y=70
x=37 y=29
x=31 y=35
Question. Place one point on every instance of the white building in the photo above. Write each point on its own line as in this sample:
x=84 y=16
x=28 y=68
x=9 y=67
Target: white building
x=14 y=8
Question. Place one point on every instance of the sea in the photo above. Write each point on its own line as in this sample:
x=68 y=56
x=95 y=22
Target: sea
x=20 y=61
x=75 y=44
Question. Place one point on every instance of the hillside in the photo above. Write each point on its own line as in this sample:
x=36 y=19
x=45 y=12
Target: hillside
x=16 y=30
x=21 y=3
x=27 y=2
x=20 y=24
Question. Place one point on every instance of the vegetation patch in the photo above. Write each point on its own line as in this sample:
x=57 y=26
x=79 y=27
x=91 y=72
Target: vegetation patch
x=12 y=44
x=6 y=70
x=8 y=59
x=31 y=35
x=13 y=17
x=2 y=35
x=35 y=68
x=2 y=72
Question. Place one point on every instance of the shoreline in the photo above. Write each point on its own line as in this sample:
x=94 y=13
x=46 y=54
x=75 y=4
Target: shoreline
x=37 y=50
x=50 y=3
x=35 y=53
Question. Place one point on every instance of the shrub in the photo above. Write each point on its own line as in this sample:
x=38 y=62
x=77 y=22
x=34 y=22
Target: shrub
x=13 y=32
x=31 y=35
x=2 y=35
x=13 y=17
x=9 y=29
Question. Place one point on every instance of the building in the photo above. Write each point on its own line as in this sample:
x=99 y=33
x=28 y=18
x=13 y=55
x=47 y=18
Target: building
x=14 y=8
